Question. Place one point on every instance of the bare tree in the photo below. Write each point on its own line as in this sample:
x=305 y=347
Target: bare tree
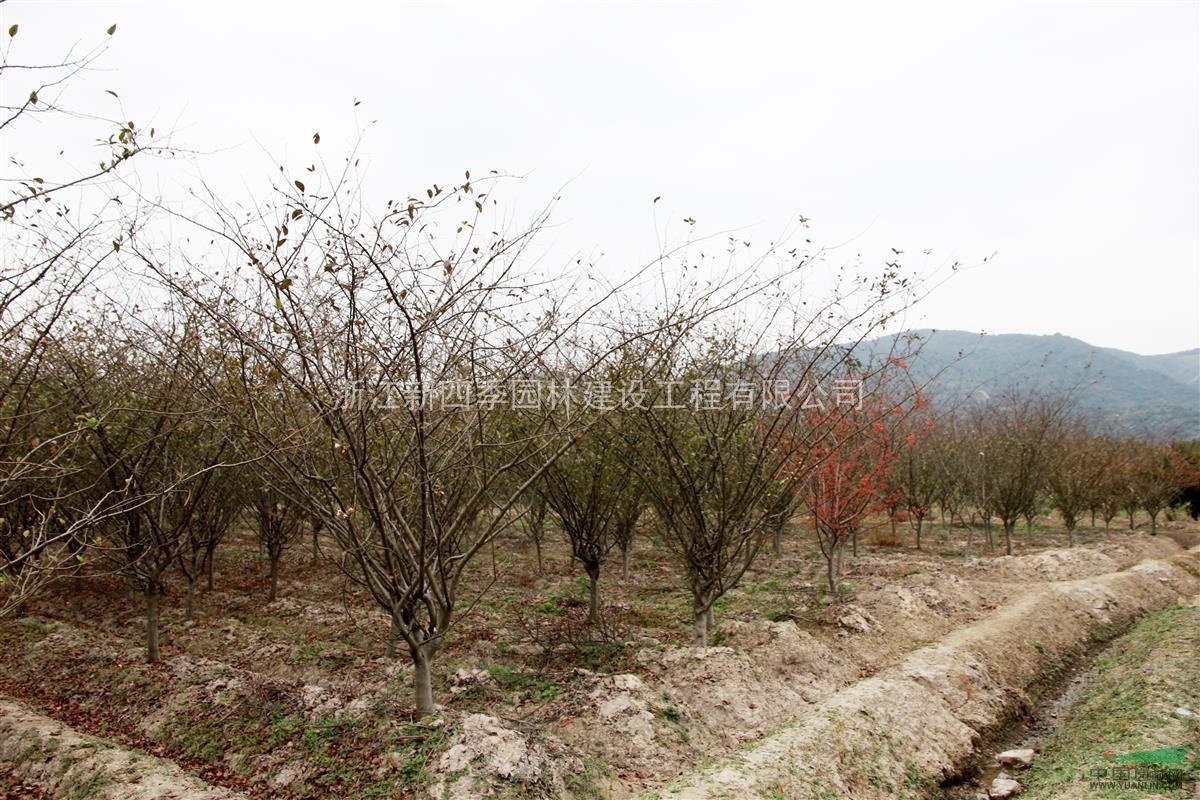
x=1017 y=436
x=585 y=488
x=376 y=386
x=706 y=476
x=210 y=522
x=58 y=232
x=1073 y=474
x=38 y=93
x=713 y=468
x=1159 y=472
x=155 y=441
x=628 y=512
x=953 y=459
x=781 y=502
x=315 y=527
x=533 y=520
x=1110 y=490
x=917 y=477
x=280 y=526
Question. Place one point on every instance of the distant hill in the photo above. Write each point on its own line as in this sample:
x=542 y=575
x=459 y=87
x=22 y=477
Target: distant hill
x=1142 y=395
x=1183 y=367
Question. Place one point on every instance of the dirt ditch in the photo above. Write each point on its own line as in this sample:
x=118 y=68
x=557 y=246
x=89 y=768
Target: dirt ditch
x=66 y=763
x=1053 y=697
x=1128 y=723
x=911 y=728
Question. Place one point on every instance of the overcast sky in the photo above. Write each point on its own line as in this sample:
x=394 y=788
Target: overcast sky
x=1062 y=136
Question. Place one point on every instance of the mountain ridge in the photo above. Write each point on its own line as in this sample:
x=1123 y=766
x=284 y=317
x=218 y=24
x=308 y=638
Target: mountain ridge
x=1129 y=393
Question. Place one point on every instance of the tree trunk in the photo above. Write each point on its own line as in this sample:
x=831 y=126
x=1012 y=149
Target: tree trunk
x=423 y=679
x=1131 y=525
x=594 y=597
x=854 y=543
x=1154 y=524
x=700 y=627
x=537 y=548
x=152 y=653
x=1008 y=537
x=316 y=543
x=393 y=638
x=710 y=619
x=208 y=570
x=625 y=564
x=1093 y=517
x=777 y=541
x=274 y=578
x=833 y=566
x=919 y=521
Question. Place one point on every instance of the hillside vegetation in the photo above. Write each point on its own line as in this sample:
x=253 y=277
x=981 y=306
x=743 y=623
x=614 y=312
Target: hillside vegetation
x=1157 y=395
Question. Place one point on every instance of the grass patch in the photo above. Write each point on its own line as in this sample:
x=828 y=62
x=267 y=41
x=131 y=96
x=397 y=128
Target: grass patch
x=586 y=783
x=1129 y=707
x=531 y=684
x=33 y=630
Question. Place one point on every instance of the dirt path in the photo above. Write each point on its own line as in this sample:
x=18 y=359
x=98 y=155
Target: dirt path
x=904 y=731
x=42 y=751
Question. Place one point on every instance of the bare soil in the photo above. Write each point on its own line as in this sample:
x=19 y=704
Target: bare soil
x=50 y=755
x=293 y=699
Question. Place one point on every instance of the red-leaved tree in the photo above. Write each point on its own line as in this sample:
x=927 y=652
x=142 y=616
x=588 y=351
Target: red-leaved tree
x=850 y=457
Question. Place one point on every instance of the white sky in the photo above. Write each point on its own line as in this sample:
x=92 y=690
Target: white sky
x=1065 y=136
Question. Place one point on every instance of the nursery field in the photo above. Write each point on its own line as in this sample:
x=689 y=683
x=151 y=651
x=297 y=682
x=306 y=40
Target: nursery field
x=345 y=456
x=296 y=698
